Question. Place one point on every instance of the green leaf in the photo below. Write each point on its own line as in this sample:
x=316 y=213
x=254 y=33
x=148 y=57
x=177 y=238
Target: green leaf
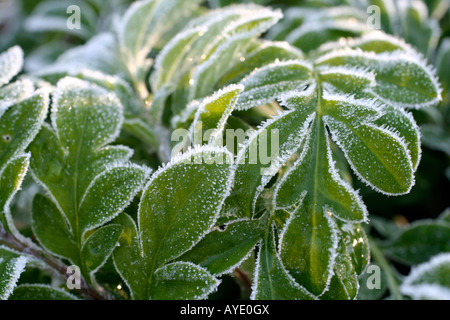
x=51 y=228
x=340 y=95
x=212 y=114
x=11 y=177
x=108 y=194
x=329 y=24
x=128 y=258
x=99 y=53
x=265 y=151
x=192 y=183
x=88 y=181
x=403 y=123
x=391 y=169
x=429 y=280
x=403 y=78
x=344 y=283
x=15 y=92
x=12 y=265
x=122 y=89
x=308 y=246
x=235 y=39
x=172 y=59
x=354 y=240
x=99 y=245
x=267 y=83
x=212 y=45
x=142 y=27
x=40 y=292
x=178 y=207
x=316 y=176
x=264 y=54
x=20 y=124
x=182 y=280
x=11 y=62
x=418 y=242
x=220 y=251
x=272 y=281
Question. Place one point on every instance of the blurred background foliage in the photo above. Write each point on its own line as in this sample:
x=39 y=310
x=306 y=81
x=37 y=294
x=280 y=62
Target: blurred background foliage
x=405 y=230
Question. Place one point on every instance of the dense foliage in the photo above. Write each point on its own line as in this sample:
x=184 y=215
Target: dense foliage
x=170 y=149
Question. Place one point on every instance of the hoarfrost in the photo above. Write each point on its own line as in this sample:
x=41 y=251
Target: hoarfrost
x=12 y=267
x=11 y=62
x=429 y=280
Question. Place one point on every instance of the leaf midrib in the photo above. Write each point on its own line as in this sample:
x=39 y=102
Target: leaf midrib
x=76 y=229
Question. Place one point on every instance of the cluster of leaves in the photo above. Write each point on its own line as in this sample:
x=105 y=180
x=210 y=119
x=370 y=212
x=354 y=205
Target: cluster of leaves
x=325 y=102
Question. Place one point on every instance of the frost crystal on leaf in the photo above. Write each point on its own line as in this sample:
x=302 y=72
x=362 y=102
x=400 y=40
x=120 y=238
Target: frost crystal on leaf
x=429 y=280
x=11 y=63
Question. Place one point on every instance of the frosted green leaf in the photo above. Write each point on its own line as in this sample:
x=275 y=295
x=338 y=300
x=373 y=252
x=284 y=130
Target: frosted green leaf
x=115 y=84
x=179 y=205
x=88 y=181
x=418 y=242
x=344 y=283
x=182 y=280
x=108 y=194
x=234 y=41
x=51 y=228
x=185 y=191
x=429 y=280
x=316 y=176
x=189 y=47
x=11 y=177
x=12 y=265
x=308 y=246
x=374 y=41
x=172 y=58
x=266 y=52
x=40 y=292
x=99 y=246
x=213 y=113
x=403 y=78
x=15 y=92
x=308 y=28
x=390 y=170
x=272 y=281
x=268 y=83
x=192 y=65
x=258 y=161
x=143 y=25
x=354 y=239
x=129 y=259
x=341 y=96
x=347 y=80
x=220 y=251
x=100 y=53
x=11 y=63
x=403 y=123
x=20 y=124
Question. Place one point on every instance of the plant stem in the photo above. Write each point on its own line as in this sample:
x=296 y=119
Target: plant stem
x=384 y=264
x=55 y=265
